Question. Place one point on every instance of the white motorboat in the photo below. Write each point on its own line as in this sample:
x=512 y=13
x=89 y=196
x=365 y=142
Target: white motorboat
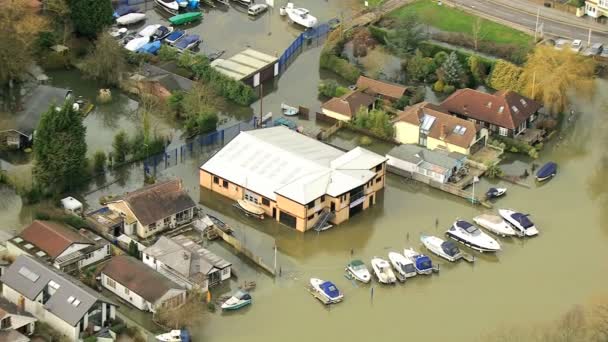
x=445 y=249
x=471 y=236
x=257 y=9
x=130 y=18
x=496 y=225
x=300 y=16
x=136 y=43
x=149 y=30
x=383 y=271
x=237 y=301
x=403 y=266
x=422 y=263
x=327 y=290
x=359 y=271
x=174 y=336
x=519 y=221
x=170 y=6
x=289 y=110
x=496 y=192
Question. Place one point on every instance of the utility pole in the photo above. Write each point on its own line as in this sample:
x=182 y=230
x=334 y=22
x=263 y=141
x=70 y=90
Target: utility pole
x=536 y=27
x=589 y=38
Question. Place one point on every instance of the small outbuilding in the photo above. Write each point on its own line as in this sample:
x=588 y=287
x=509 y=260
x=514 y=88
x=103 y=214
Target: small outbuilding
x=250 y=66
x=72 y=206
x=438 y=165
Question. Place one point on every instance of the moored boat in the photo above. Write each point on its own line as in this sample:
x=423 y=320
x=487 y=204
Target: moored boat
x=257 y=9
x=422 y=263
x=495 y=224
x=162 y=32
x=445 y=249
x=188 y=42
x=185 y=18
x=300 y=16
x=251 y=208
x=547 y=171
x=238 y=300
x=359 y=271
x=174 y=36
x=174 y=336
x=404 y=267
x=289 y=110
x=130 y=18
x=469 y=235
x=182 y=3
x=327 y=290
x=170 y=6
x=519 y=221
x=495 y=192
x=136 y=43
x=383 y=271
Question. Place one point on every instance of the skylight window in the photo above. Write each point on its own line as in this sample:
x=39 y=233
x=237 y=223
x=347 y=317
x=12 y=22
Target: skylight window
x=29 y=246
x=523 y=102
x=427 y=122
x=501 y=109
x=40 y=254
x=24 y=271
x=71 y=299
x=515 y=109
x=53 y=285
x=75 y=303
x=18 y=240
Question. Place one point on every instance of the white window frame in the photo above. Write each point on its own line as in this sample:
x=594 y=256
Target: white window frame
x=503 y=131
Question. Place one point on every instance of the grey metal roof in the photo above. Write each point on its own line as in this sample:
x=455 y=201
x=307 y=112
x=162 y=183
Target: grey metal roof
x=168 y=79
x=40 y=276
x=417 y=154
x=36 y=103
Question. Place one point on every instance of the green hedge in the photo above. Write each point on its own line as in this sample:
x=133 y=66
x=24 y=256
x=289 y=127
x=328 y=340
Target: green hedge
x=516 y=146
x=339 y=66
x=378 y=33
x=430 y=49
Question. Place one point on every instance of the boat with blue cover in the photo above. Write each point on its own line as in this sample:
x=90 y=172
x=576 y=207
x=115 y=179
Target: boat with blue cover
x=162 y=32
x=238 y=300
x=519 y=221
x=188 y=42
x=326 y=289
x=547 y=171
x=174 y=336
x=151 y=48
x=125 y=9
x=471 y=236
x=174 y=36
x=422 y=263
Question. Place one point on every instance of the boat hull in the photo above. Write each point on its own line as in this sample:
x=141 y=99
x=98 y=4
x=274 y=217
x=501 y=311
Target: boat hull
x=359 y=276
x=502 y=228
x=315 y=283
x=470 y=244
x=237 y=306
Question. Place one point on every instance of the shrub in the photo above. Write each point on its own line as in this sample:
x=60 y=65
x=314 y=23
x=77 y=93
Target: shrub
x=377 y=121
x=328 y=88
x=438 y=86
x=493 y=171
x=419 y=67
x=99 y=162
x=167 y=53
x=402 y=102
x=378 y=33
x=440 y=57
x=505 y=76
x=339 y=66
x=201 y=123
x=448 y=89
x=365 y=140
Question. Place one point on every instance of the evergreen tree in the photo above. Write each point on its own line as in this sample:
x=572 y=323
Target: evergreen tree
x=60 y=150
x=90 y=16
x=451 y=70
x=121 y=147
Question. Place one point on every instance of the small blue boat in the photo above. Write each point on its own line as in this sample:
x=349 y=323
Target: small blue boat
x=125 y=9
x=151 y=48
x=422 y=263
x=175 y=36
x=188 y=42
x=547 y=171
x=285 y=122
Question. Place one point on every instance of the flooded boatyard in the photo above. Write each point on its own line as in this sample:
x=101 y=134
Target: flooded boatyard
x=530 y=280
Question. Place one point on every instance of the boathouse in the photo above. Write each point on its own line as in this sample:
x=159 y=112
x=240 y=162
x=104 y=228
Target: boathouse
x=296 y=180
x=249 y=66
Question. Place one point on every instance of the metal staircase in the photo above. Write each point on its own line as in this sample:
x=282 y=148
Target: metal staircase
x=323 y=221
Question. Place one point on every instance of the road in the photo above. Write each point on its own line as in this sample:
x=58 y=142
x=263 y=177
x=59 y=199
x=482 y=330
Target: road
x=552 y=23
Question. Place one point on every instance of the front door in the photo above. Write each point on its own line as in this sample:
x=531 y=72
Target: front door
x=274 y=213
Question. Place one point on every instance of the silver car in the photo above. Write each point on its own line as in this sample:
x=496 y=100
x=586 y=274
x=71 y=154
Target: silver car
x=577 y=45
x=561 y=43
x=594 y=49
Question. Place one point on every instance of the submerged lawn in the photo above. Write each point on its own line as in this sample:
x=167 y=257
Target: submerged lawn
x=454 y=20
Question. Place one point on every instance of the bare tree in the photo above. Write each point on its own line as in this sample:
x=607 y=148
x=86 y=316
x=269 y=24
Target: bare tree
x=61 y=11
x=478 y=33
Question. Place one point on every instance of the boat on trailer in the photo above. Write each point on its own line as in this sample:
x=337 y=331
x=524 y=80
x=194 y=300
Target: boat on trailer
x=185 y=18
x=300 y=16
x=250 y=209
x=174 y=36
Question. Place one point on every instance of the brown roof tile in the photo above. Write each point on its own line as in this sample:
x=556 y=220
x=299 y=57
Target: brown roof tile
x=155 y=202
x=51 y=237
x=139 y=278
x=443 y=127
x=386 y=89
x=506 y=109
x=349 y=104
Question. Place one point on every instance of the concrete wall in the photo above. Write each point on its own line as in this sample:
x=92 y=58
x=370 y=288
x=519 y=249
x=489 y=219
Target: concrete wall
x=335 y=115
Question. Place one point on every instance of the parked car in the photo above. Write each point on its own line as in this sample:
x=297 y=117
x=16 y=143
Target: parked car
x=577 y=45
x=561 y=43
x=604 y=53
x=257 y=9
x=594 y=49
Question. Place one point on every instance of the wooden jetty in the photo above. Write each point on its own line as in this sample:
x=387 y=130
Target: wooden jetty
x=515 y=180
x=467 y=257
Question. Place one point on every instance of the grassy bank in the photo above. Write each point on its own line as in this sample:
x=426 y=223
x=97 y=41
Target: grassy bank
x=454 y=20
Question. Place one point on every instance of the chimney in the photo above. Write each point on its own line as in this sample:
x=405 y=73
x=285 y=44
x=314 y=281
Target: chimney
x=442 y=134
x=464 y=108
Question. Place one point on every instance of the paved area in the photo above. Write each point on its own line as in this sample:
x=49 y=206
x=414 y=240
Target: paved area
x=523 y=13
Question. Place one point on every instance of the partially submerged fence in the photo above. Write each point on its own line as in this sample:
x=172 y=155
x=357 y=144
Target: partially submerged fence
x=308 y=39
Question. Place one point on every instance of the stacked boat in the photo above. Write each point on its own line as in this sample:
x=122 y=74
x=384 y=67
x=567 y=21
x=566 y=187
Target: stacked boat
x=298 y=15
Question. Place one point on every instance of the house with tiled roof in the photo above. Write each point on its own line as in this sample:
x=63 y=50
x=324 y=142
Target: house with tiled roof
x=430 y=126
x=16 y=324
x=56 y=298
x=64 y=247
x=506 y=113
x=381 y=89
x=345 y=108
x=140 y=285
x=155 y=208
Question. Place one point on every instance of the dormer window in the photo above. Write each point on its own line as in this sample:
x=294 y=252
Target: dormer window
x=514 y=109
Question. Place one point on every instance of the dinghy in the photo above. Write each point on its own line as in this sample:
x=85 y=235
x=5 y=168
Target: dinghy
x=445 y=249
x=496 y=225
x=326 y=289
x=383 y=271
x=170 y=6
x=130 y=18
x=289 y=110
x=403 y=266
x=300 y=16
x=469 y=235
x=174 y=37
x=136 y=43
x=519 y=221
x=495 y=192
x=547 y=171
x=422 y=263
x=359 y=271
x=237 y=301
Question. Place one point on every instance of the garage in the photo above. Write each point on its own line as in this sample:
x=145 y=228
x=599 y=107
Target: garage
x=287 y=219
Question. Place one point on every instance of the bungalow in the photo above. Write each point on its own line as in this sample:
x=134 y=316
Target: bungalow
x=140 y=285
x=428 y=125
x=505 y=112
x=19 y=132
x=186 y=263
x=383 y=90
x=346 y=107
x=438 y=165
x=15 y=324
x=298 y=181
x=63 y=247
x=155 y=208
x=55 y=298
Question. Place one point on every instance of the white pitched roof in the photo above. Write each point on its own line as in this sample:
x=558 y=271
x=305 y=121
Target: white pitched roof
x=277 y=160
